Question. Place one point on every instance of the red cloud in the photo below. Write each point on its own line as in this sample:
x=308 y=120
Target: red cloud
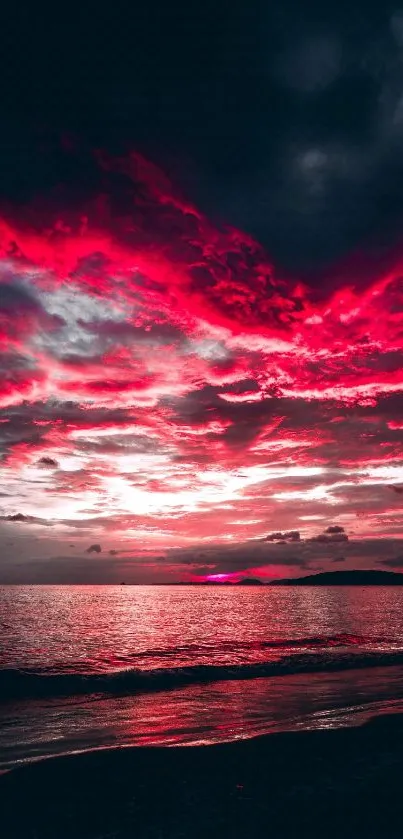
x=171 y=374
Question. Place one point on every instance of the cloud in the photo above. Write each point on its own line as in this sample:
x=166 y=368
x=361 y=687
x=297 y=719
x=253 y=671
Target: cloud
x=21 y=312
x=329 y=538
x=178 y=391
x=264 y=560
x=312 y=64
x=334 y=528
x=48 y=462
x=94 y=549
x=270 y=558
x=394 y=562
x=25 y=519
x=18 y=517
x=334 y=533
x=283 y=536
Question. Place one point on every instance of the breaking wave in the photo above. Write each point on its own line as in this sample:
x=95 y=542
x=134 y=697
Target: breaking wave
x=336 y=653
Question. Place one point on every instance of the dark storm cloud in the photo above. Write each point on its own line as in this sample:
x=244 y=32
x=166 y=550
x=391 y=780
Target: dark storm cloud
x=292 y=131
x=311 y=63
x=306 y=148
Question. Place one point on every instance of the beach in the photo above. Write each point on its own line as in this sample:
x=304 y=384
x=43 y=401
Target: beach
x=344 y=782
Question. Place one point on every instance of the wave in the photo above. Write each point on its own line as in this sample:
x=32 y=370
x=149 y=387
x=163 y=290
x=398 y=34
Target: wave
x=340 y=640
x=33 y=684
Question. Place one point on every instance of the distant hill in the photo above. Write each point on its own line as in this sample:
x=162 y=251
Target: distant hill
x=345 y=578
x=249 y=581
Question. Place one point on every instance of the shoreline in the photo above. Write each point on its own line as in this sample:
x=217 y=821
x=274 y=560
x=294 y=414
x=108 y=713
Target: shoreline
x=338 y=782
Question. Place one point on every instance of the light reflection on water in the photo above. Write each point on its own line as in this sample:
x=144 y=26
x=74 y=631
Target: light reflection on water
x=106 y=628
x=101 y=629
x=201 y=714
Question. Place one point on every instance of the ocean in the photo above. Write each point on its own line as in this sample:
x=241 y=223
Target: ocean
x=94 y=667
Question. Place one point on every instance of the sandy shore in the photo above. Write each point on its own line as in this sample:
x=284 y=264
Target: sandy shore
x=344 y=783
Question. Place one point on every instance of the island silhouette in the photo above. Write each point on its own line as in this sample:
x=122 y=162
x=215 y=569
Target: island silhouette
x=344 y=578
x=323 y=578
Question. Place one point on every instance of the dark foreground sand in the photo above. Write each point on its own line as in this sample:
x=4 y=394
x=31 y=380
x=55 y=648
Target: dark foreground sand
x=343 y=783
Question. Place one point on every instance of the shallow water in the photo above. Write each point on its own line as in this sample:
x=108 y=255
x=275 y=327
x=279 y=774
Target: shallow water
x=89 y=667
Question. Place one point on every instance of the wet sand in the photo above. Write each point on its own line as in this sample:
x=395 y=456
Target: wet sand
x=335 y=783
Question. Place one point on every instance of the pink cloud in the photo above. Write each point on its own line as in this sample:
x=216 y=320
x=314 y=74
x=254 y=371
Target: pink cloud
x=178 y=383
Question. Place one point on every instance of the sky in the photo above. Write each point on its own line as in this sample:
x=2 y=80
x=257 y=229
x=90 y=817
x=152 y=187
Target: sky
x=201 y=293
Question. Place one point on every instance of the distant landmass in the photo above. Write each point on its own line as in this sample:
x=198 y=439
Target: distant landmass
x=345 y=578
x=249 y=581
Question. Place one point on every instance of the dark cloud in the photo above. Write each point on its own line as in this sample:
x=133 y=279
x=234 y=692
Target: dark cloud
x=19 y=308
x=14 y=361
x=65 y=411
x=21 y=517
x=394 y=562
x=234 y=559
x=304 y=100
x=283 y=536
x=18 y=517
x=329 y=538
x=48 y=462
x=396 y=488
x=334 y=533
x=96 y=549
x=16 y=298
x=164 y=334
x=334 y=528
x=207 y=561
x=303 y=554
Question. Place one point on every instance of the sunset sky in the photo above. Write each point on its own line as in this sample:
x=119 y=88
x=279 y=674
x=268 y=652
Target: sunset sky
x=201 y=309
